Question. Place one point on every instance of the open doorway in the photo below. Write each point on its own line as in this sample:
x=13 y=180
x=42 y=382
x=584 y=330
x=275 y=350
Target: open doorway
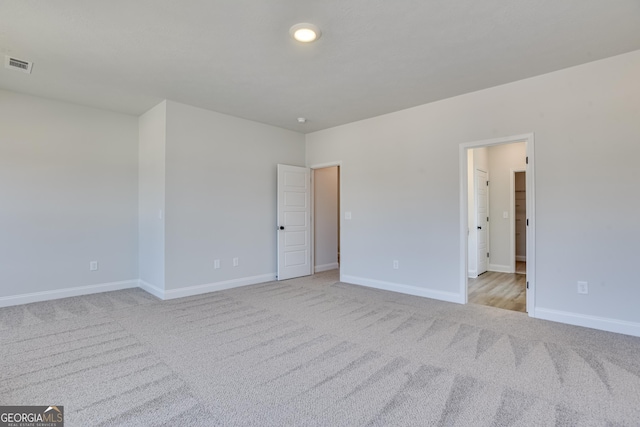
x=488 y=228
x=520 y=221
x=326 y=218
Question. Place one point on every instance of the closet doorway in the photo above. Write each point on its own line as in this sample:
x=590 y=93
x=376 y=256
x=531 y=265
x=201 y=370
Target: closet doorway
x=326 y=218
x=520 y=221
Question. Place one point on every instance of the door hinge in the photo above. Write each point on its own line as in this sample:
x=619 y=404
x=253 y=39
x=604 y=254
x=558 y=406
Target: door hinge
x=487 y=219
x=487 y=254
x=527 y=285
x=487 y=183
x=527 y=222
x=527 y=159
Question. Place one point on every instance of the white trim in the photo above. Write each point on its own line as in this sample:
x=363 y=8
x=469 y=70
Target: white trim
x=587 y=321
x=522 y=258
x=403 y=289
x=487 y=223
x=153 y=290
x=473 y=274
x=528 y=138
x=326 y=267
x=66 y=293
x=500 y=268
x=464 y=219
x=325 y=165
x=217 y=286
x=531 y=227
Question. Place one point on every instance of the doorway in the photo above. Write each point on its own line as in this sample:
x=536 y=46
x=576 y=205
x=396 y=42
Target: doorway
x=519 y=221
x=308 y=213
x=326 y=218
x=518 y=290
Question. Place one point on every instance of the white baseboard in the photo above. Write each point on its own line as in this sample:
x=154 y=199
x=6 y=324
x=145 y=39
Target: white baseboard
x=128 y=284
x=472 y=274
x=217 y=286
x=153 y=290
x=522 y=258
x=404 y=289
x=326 y=267
x=500 y=268
x=594 y=322
x=66 y=293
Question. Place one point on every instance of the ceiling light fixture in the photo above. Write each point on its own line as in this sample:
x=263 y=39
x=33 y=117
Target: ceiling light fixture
x=302 y=120
x=305 y=33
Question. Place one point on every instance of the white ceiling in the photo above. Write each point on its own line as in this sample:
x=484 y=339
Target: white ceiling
x=236 y=56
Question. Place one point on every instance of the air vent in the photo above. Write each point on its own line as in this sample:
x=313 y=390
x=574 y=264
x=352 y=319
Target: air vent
x=17 y=64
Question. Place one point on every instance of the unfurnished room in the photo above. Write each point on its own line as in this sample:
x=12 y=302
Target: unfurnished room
x=319 y=213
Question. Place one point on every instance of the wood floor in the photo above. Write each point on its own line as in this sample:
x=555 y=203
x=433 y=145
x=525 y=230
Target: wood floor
x=502 y=290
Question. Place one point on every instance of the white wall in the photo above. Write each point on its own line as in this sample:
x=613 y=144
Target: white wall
x=400 y=181
x=151 y=203
x=68 y=196
x=221 y=197
x=326 y=215
x=503 y=160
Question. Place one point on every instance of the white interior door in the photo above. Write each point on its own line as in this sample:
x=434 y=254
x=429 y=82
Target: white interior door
x=481 y=185
x=294 y=222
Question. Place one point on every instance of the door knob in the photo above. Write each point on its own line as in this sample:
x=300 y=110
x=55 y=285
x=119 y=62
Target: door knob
x=281 y=227
x=479 y=228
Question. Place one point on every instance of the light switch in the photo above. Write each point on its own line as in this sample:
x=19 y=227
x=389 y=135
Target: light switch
x=505 y=214
x=347 y=215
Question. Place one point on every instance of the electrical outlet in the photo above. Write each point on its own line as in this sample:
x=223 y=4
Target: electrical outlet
x=583 y=288
x=396 y=264
x=216 y=263
x=236 y=261
x=93 y=266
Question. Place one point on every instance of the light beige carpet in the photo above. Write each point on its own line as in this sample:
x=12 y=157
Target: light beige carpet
x=311 y=352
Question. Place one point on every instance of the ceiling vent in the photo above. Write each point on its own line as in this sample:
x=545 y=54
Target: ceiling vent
x=17 y=64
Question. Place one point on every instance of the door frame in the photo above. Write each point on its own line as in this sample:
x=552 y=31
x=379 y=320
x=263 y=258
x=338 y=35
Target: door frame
x=528 y=139
x=340 y=213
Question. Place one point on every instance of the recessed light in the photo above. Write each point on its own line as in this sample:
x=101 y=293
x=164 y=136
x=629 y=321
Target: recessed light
x=302 y=120
x=305 y=33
